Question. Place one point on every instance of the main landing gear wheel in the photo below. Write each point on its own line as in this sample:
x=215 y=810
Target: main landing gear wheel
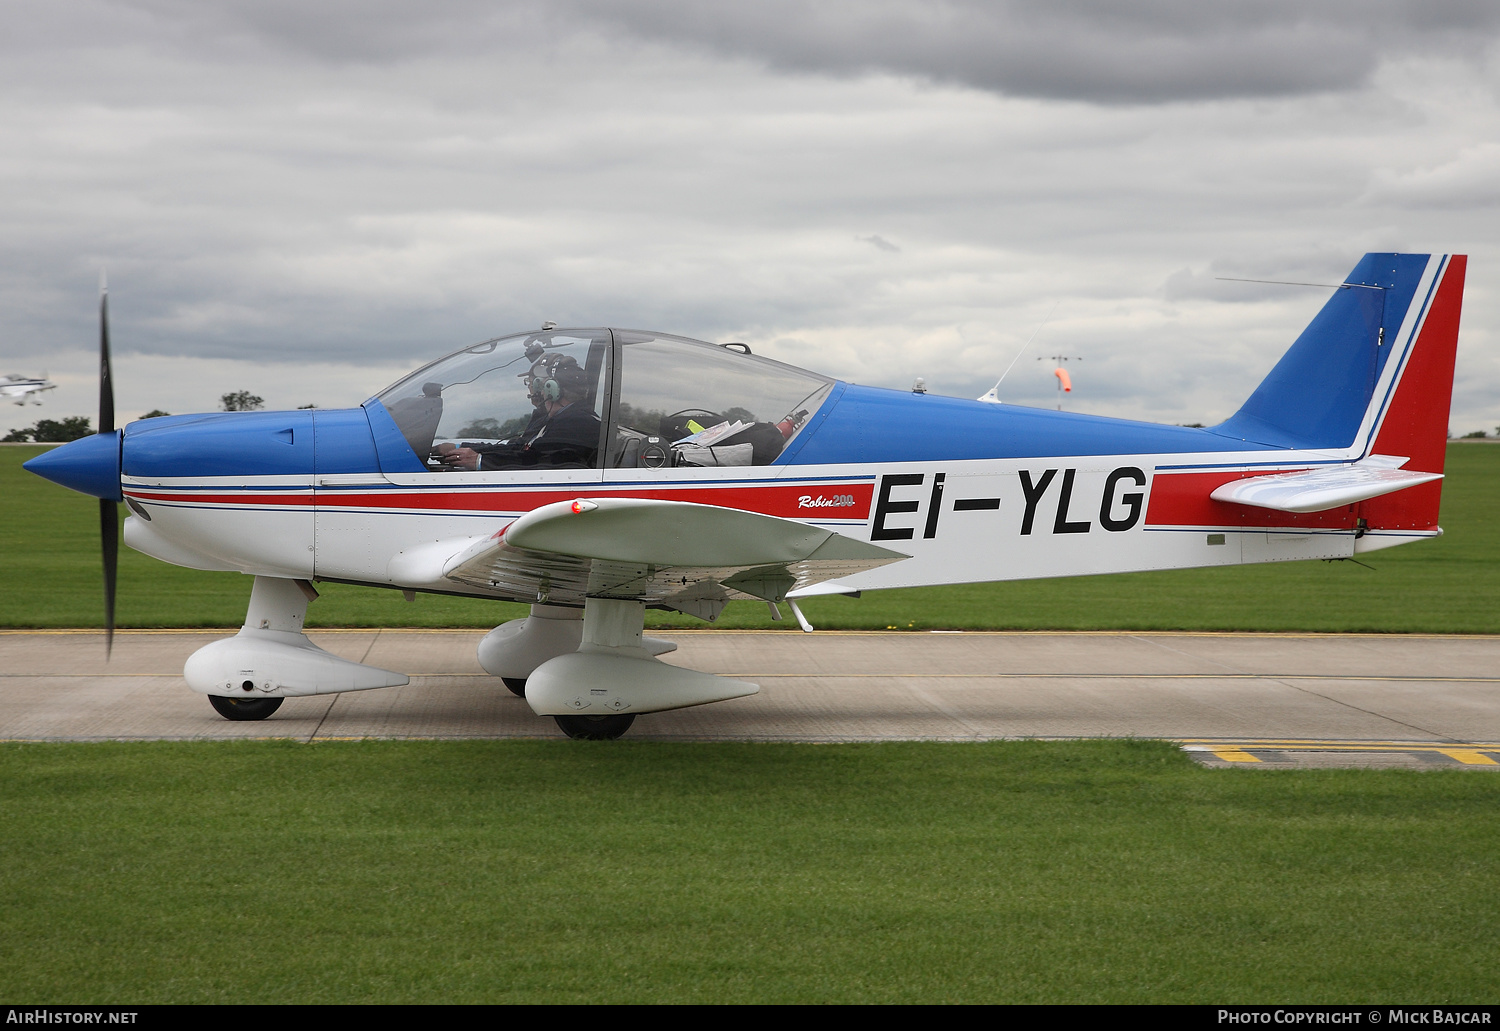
x=244 y=708
x=595 y=728
x=517 y=685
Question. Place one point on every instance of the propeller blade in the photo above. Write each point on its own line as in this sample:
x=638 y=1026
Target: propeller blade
x=109 y=535
x=109 y=522
x=106 y=381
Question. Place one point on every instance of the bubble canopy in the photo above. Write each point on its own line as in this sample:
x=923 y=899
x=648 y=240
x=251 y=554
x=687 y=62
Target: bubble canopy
x=658 y=401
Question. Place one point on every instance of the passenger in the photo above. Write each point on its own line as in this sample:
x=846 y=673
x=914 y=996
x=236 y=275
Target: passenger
x=563 y=431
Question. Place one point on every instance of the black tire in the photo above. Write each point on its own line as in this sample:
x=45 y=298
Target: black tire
x=244 y=708
x=517 y=685
x=595 y=728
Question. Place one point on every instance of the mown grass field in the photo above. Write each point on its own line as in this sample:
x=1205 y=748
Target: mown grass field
x=458 y=872
x=562 y=871
x=49 y=568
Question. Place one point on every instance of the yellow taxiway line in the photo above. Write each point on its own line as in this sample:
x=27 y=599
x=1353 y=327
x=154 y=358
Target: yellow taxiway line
x=1240 y=751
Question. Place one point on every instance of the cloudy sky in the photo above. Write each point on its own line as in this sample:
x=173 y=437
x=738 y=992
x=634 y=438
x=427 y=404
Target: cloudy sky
x=307 y=200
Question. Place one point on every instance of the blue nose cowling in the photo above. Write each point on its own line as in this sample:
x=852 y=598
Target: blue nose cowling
x=89 y=465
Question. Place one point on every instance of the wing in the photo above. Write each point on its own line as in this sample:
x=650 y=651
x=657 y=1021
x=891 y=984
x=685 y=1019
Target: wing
x=672 y=554
x=1321 y=489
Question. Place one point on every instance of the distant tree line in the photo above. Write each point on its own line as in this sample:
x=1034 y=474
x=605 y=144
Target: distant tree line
x=49 y=431
x=60 y=431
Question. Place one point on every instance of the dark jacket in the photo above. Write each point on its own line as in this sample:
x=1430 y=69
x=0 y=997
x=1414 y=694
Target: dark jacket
x=568 y=439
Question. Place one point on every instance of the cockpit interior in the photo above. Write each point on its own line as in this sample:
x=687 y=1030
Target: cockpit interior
x=602 y=398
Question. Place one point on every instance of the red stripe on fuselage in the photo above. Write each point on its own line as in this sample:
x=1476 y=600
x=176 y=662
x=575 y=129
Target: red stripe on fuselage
x=792 y=501
x=195 y=497
x=1182 y=499
x=198 y=497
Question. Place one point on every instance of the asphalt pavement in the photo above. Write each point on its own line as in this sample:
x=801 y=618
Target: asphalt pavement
x=1253 y=701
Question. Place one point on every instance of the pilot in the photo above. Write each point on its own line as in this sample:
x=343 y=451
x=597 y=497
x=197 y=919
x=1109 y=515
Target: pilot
x=563 y=431
x=534 y=376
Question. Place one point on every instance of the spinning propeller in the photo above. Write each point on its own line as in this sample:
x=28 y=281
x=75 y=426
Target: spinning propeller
x=109 y=515
x=91 y=465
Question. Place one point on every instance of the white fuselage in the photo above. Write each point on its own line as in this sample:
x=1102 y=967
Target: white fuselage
x=961 y=522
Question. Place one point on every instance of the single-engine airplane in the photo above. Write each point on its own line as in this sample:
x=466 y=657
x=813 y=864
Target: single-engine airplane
x=21 y=389
x=595 y=473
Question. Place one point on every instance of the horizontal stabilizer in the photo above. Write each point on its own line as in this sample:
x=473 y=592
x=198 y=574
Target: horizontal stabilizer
x=1319 y=490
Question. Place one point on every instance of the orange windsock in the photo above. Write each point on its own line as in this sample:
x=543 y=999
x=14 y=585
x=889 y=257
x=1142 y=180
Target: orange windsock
x=1062 y=374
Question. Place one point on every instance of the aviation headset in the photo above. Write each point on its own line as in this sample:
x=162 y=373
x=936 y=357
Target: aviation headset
x=554 y=377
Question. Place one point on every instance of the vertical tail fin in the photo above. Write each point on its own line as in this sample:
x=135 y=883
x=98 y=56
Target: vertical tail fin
x=1371 y=374
x=1327 y=391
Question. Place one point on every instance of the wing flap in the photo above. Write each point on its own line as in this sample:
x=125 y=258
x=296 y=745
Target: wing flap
x=1319 y=490
x=675 y=554
x=675 y=532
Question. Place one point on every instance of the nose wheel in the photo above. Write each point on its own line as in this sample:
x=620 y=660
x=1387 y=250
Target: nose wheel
x=239 y=709
x=595 y=728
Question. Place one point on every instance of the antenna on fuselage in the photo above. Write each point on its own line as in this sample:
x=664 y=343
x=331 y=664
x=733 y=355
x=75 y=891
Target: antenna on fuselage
x=993 y=395
x=1283 y=282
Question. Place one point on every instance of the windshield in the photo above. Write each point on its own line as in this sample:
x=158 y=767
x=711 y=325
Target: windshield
x=549 y=399
x=492 y=398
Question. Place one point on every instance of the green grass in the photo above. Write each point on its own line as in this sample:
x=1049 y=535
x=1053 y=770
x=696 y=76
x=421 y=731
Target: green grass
x=517 y=871
x=49 y=569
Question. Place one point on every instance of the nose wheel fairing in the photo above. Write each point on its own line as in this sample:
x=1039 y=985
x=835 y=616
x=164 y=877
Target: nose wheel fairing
x=272 y=658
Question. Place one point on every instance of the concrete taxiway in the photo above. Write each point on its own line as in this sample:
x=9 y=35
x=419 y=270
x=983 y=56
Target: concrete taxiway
x=1250 y=700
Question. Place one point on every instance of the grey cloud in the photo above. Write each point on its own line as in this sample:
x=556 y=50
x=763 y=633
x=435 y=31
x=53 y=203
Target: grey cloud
x=1471 y=180
x=374 y=184
x=1090 y=50
x=327 y=32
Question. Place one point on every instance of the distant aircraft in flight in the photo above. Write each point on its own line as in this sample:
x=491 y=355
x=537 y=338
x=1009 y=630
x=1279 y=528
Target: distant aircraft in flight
x=23 y=388
x=595 y=473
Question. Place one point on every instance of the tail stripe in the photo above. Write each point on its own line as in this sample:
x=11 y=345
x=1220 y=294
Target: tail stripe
x=1411 y=330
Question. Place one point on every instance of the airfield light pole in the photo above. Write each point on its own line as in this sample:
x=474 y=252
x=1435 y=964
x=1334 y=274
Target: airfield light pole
x=1064 y=382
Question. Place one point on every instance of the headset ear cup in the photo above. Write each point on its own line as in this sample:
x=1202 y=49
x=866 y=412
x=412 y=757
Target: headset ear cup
x=551 y=390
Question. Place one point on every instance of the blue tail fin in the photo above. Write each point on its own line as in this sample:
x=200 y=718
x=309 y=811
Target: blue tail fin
x=1319 y=394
